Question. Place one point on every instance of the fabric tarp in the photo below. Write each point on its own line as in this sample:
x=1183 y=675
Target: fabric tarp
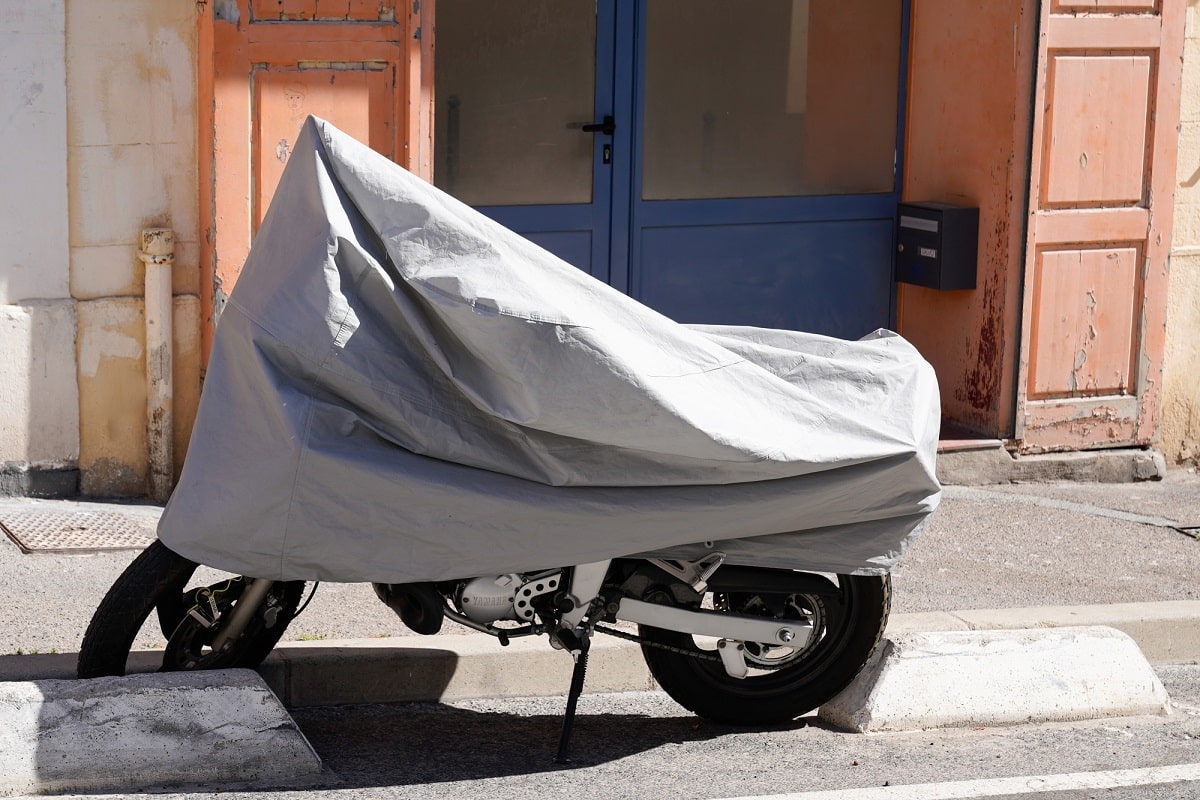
x=401 y=389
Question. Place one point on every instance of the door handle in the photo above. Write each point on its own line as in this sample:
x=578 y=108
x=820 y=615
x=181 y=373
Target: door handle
x=608 y=126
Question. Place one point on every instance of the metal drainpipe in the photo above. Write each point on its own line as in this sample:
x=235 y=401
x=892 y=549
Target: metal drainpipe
x=158 y=254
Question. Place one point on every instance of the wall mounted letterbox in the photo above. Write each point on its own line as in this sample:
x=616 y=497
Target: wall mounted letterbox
x=936 y=245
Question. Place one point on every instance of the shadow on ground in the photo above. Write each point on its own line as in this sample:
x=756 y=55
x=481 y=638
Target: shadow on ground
x=423 y=743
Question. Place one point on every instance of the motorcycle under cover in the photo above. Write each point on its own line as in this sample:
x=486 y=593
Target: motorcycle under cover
x=402 y=390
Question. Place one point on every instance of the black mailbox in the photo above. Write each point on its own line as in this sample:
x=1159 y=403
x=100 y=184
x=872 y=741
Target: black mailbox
x=937 y=245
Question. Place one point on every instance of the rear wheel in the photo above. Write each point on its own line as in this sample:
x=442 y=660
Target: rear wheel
x=188 y=618
x=784 y=682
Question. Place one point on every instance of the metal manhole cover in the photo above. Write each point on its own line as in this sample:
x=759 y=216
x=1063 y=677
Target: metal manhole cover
x=76 y=531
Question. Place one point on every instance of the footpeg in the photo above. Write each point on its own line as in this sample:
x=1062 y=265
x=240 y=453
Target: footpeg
x=693 y=573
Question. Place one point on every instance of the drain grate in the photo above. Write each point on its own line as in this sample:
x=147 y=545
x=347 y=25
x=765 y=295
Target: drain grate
x=76 y=531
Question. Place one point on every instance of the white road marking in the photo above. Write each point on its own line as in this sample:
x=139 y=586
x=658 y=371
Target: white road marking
x=997 y=787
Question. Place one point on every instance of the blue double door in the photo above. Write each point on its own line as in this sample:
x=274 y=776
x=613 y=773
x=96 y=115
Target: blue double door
x=722 y=163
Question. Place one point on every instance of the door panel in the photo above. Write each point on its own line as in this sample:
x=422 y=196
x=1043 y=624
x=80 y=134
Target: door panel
x=768 y=183
x=802 y=99
x=731 y=126
x=516 y=84
x=775 y=275
x=748 y=175
x=358 y=100
x=509 y=114
x=574 y=247
x=1083 y=341
x=265 y=65
x=323 y=10
x=1103 y=168
x=575 y=233
x=1084 y=92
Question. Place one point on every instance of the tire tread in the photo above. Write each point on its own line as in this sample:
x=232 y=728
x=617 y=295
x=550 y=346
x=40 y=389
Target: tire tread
x=717 y=697
x=119 y=617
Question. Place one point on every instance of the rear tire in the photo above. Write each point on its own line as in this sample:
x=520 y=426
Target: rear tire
x=846 y=629
x=156 y=580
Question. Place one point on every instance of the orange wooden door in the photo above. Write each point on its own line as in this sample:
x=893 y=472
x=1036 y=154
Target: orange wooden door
x=1100 y=204
x=265 y=65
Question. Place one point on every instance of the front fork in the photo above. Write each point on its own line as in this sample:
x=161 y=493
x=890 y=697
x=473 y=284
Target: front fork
x=252 y=597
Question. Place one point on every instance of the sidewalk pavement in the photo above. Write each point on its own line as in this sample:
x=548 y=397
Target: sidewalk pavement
x=1005 y=556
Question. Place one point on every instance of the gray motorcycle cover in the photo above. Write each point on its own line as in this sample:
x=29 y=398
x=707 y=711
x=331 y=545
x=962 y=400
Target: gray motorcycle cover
x=402 y=390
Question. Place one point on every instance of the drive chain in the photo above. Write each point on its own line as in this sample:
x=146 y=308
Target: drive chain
x=650 y=643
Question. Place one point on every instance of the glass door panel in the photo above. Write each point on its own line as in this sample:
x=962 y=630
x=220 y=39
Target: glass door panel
x=766 y=178
x=770 y=98
x=515 y=82
x=520 y=87
x=722 y=163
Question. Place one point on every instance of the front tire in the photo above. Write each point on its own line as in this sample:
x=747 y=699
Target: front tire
x=847 y=626
x=156 y=580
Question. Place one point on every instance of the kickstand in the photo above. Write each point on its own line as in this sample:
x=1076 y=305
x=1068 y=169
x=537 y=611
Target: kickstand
x=577 y=676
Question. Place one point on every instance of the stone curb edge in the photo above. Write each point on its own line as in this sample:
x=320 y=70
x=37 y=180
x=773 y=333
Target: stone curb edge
x=142 y=731
x=458 y=667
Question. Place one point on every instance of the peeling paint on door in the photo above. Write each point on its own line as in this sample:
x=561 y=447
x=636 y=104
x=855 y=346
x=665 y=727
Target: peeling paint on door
x=1100 y=210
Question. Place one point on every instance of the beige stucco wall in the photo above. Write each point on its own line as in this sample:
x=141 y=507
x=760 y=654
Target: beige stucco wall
x=98 y=114
x=39 y=426
x=1179 y=431
x=131 y=153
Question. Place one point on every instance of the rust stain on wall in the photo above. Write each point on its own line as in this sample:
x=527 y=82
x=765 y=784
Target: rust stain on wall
x=982 y=380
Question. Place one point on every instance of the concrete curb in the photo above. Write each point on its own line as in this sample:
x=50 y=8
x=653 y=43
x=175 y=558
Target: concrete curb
x=1167 y=632
x=453 y=667
x=957 y=678
x=148 y=731
x=964 y=463
x=476 y=666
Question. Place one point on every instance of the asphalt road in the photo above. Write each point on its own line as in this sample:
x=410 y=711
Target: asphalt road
x=641 y=746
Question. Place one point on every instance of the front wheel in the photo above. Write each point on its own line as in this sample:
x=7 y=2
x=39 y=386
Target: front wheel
x=783 y=682
x=188 y=618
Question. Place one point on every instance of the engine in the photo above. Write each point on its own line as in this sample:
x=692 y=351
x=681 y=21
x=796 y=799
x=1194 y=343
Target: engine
x=504 y=597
